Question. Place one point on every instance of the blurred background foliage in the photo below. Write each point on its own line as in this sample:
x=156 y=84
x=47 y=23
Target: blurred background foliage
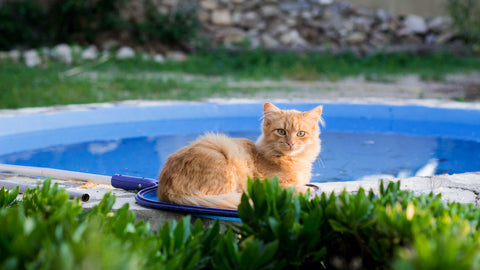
x=26 y=23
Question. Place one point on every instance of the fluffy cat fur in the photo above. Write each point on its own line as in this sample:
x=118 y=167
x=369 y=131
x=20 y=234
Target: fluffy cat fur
x=213 y=170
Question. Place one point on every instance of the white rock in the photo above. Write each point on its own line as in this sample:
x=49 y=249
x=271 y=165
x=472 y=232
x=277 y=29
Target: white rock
x=222 y=17
x=292 y=38
x=90 y=53
x=110 y=44
x=234 y=35
x=14 y=55
x=125 y=53
x=208 y=4
x=32 y=58
x=382 y=15
x=325 y=2
x=415 y=24
x=251 y=20
x=176 y=56
x=63 y=53
x=356 y=38
x=269 y=11
x=254 y=41
x=159 y=58
x=269 y=42
x=203 y=15
x=278 y=29
x=440 y=24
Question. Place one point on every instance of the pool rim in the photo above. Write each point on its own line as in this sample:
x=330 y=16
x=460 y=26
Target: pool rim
x=28 y=122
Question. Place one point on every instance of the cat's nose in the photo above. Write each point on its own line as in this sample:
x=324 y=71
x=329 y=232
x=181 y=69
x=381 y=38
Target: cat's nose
x=290 y=144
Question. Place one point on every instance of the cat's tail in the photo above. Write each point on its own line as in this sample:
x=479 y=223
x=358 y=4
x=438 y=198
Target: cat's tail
x=227 y=200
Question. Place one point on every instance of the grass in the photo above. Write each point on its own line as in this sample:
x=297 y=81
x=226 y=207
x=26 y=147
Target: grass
x=203 y=75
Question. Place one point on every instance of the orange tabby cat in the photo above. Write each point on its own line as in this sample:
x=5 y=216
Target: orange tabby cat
x=213 y=170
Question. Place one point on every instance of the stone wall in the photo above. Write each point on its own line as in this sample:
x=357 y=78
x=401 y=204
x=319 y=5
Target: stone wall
x=319 y=25
x=428 y=8
x=305 y=24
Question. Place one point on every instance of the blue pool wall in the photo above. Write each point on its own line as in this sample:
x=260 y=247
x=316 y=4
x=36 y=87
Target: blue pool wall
x=32 y=131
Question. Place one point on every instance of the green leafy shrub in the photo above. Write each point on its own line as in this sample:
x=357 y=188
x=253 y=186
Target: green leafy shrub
x=465 y=18
x=176 y=28
x=389 y=230
x=82 y=21
x=21 y=23
x=362 y=230
x=26 y=23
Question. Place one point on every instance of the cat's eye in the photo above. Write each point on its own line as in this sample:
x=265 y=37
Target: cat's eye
x=281 y=132
x=301 y=134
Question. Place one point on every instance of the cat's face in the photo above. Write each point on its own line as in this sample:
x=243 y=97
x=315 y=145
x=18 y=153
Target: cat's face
x=290 y=132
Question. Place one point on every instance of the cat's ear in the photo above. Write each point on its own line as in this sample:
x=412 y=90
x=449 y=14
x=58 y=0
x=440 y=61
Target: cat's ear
x=315 y=114
x=269 y=107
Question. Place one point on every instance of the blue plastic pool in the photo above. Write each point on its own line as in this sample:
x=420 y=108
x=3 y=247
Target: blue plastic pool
x=358 y=141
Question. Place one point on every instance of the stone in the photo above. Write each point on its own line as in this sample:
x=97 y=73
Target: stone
x=414 y=24
x=412 y=40
x=233 y=35
x=62 y=53
x=444 y=37
x=253 y=40
x=208 y=4
x=90 y=53
x=325 y=2
x=430 y=39
x=31 y=58
x=278 y=29
x=332 y=20
x=379 y=40
x=439 y=24
x=269 y=42
x=176 y=56
x=356 y=38
x=14 y=55
x=382 y=15
x=110 y=44
x=172 y=3
x=159 y=58
x=293 y=38
x=221 y=17
x=290 y=22
x=363 y=24
x=237 y=17
x=294 y=6
x=203 y=16
x=306 y=15
x=125 y=53
x=251 y=20
x=269 y=11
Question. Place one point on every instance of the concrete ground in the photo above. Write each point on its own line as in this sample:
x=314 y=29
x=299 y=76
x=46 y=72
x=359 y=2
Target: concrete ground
x=463 y=188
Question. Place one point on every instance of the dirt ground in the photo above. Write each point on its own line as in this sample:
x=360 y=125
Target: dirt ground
x=460 y=87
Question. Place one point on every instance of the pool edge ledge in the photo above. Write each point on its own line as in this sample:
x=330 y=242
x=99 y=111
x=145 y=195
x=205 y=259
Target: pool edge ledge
x=463 y=188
